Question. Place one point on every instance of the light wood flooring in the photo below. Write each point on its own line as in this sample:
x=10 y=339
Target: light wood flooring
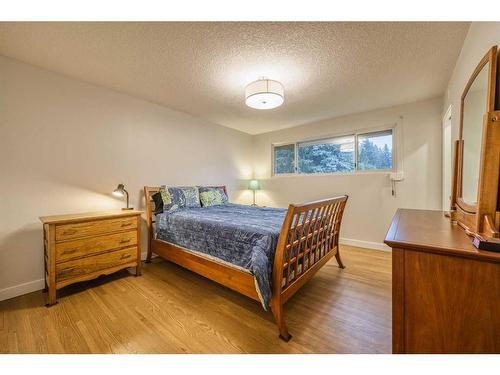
x=172 y=310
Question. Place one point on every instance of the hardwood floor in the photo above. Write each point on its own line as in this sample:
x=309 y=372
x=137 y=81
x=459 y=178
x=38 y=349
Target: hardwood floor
x=171 y=310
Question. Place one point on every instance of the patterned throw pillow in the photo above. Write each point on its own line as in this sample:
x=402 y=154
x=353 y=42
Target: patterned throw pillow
x=179 y=197
x=212 y=196
x=191 y=195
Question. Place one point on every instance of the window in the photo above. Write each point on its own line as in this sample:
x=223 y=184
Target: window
x=284 y=159
x=327 y=156
x=371 y=151
x=375 y=151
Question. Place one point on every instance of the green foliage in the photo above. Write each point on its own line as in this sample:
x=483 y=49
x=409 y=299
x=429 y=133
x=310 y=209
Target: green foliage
x=325 y=158
x=284 y=159
x=371 y=156
x=332 y=158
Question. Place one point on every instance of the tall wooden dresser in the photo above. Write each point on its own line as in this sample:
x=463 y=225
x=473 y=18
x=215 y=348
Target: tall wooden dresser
x=445 y=292
x=84 y=246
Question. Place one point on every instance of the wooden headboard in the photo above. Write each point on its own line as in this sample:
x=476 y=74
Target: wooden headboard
x=149 y=191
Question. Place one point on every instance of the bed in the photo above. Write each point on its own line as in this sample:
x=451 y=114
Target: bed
x=266 y=254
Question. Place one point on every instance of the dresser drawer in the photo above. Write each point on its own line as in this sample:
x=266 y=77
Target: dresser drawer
x=75 y=268
x=91 y=228
x=92 y=245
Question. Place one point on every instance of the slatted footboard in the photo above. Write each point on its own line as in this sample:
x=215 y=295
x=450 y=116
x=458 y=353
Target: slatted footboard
x=308 y=239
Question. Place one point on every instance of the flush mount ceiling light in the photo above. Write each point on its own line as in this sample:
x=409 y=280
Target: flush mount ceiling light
x=264 y=94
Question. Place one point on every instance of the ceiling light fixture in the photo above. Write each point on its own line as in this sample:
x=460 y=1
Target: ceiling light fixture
x=264 y=94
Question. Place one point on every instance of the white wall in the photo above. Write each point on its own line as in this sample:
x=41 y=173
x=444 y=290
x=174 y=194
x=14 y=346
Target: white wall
x=65 y=145
x=371 y=206
x=480 y=38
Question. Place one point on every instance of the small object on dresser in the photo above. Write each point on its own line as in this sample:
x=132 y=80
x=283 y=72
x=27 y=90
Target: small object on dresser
x=120 y=192
x=491 y=244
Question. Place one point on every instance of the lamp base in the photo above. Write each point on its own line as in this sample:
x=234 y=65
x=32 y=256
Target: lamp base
x=127 y=208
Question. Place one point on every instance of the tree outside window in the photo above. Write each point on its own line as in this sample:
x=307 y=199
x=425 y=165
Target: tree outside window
x=344 y=154
x=375 y=151
x=334 y=155
x=284 y=159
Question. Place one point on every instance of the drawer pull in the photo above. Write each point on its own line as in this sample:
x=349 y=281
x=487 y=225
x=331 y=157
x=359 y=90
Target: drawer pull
x=126 y=224
x=125 y=241
x=69 y=251
x=69 y=231
x=125 y=256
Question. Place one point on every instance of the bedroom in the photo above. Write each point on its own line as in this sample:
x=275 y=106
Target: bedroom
x=268 y=183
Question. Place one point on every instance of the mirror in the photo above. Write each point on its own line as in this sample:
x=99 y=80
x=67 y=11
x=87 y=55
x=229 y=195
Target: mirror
x=474 y=107
x=476 y=176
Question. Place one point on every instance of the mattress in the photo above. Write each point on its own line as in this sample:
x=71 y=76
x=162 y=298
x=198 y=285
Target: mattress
x=242 y=236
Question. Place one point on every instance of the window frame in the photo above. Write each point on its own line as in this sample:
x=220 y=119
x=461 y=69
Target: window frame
x=397 y=163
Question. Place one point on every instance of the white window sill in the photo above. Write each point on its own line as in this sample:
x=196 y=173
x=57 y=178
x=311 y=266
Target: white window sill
x=357 y=173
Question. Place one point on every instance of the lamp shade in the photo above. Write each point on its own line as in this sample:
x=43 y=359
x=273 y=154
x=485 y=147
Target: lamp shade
x=254 y=185
x=119 y=191
x=264 y=94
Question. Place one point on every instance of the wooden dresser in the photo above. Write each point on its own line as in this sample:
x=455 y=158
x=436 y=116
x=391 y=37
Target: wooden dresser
x=84 y=246
x=445 y=292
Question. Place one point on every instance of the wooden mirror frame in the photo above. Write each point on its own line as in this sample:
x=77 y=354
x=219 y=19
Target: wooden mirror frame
x=482 y=219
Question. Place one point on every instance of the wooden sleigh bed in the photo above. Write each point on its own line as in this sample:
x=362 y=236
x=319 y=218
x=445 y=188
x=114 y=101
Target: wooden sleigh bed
x=308 y=239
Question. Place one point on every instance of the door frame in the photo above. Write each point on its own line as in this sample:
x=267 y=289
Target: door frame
x=446 y=156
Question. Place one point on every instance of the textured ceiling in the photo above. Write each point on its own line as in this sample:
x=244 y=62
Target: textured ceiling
x=328 y=69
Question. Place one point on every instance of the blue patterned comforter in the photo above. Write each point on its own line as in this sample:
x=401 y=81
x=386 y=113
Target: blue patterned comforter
x=244 y=236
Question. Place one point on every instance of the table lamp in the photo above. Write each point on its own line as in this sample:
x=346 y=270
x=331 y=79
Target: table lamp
x=120 y=192
x=254 y=185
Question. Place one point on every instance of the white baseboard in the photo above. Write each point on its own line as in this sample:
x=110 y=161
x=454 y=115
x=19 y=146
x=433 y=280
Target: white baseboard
x=19 y=290
x=29 y=287
x=365 y=244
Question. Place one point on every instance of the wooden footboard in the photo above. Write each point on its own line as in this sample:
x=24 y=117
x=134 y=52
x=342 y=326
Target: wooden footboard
x=308 y=239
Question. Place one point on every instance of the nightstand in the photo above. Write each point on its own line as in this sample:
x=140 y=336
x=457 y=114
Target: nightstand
x=85 y=246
